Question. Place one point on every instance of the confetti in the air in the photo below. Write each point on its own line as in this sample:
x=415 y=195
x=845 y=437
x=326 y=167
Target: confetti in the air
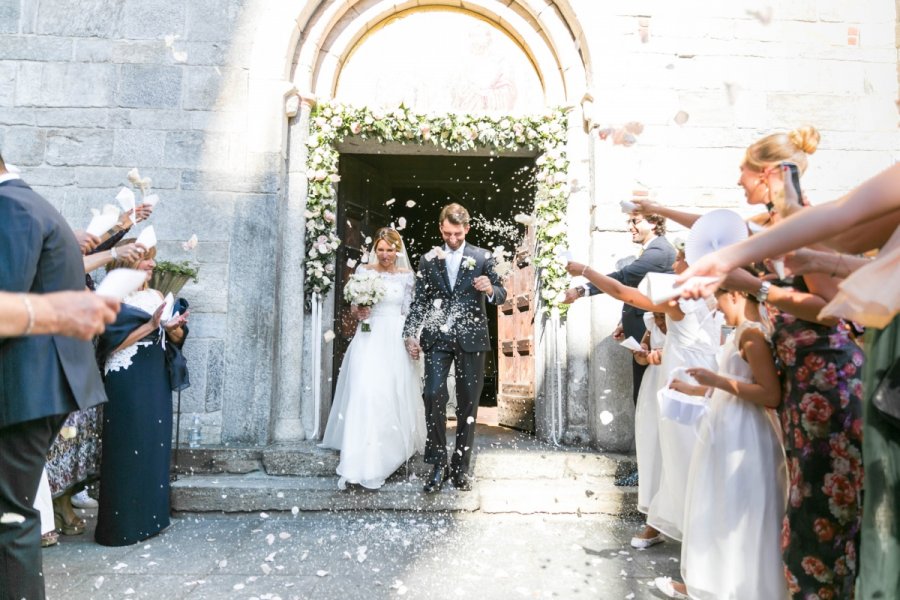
x=328 y=336
x=410 y=203
x=606 y=417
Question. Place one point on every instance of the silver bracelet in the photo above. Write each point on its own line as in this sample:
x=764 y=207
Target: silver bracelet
x=113 y=253
x=30 y=309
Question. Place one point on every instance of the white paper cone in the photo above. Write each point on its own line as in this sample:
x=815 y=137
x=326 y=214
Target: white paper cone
x=101 y=223
x=631 y=344
x=125 y=198
x=118 y=283
x=147 y=238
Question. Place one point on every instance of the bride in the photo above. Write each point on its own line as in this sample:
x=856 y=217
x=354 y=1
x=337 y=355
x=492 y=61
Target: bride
x=377 y=419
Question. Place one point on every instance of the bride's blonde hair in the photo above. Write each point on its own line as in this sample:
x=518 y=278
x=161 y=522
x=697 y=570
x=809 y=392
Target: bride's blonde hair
x=794 y=146
x=391 y=236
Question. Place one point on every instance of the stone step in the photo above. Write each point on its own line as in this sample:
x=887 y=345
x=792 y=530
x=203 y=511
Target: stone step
x=305 y=459
x=252 y=492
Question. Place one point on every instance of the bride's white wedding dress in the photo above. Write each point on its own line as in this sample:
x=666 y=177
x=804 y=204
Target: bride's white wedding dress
x=377 y=419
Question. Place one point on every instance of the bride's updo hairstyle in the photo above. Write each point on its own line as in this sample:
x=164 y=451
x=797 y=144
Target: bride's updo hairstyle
x=794 y=146
x=390 y=236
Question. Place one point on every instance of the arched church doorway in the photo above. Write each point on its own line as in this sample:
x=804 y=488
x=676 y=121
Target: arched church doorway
x=407 y=191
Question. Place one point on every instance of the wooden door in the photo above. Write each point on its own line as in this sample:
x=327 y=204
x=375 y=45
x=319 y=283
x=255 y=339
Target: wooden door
x=362 y=193
x=515 y=334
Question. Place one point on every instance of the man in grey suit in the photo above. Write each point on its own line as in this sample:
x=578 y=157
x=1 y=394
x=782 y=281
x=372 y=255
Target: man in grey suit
x=452 y=285
x=42 y=377
x=656 y=256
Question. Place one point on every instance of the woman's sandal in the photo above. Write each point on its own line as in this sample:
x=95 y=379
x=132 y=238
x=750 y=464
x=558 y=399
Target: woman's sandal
x=51 y=538
x=72 y=526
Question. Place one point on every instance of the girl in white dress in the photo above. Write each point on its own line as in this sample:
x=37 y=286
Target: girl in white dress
x=736 y=486
x=692 y=340
x=377 y=419
x=646 y=422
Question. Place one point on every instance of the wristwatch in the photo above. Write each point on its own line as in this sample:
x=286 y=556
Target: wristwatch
x=763 y=294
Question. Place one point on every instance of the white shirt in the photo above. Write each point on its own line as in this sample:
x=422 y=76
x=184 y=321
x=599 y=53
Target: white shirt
x=453 y=260
x=8 y=177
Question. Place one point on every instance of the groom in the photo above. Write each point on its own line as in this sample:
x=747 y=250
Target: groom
x=452 y=285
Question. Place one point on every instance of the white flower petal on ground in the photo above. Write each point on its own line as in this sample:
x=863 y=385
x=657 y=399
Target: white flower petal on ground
x=391 y=201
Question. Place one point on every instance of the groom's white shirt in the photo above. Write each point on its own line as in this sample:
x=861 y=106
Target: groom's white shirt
x=453 y=260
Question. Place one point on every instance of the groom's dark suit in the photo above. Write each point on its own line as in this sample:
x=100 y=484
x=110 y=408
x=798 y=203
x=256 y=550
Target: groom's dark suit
x=42 y=378
x=454 y=324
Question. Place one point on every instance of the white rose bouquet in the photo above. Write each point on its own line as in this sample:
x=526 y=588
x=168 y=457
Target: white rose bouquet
x=364 y=288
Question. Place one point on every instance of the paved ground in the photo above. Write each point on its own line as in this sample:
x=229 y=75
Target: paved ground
x=365 y=555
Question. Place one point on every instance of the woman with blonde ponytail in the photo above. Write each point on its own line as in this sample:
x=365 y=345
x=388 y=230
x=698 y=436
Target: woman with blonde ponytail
x=821 y=408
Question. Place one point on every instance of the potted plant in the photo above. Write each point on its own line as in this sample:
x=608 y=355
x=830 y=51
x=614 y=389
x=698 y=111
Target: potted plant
x=170 y=276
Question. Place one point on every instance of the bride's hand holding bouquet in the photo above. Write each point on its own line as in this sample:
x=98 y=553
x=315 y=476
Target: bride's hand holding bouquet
x=363 y=290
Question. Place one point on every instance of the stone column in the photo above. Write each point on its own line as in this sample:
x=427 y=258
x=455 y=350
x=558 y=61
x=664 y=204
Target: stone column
x=577 y=334
x=291 y=314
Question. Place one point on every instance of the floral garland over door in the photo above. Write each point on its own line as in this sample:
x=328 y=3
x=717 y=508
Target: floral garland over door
x=331 y=123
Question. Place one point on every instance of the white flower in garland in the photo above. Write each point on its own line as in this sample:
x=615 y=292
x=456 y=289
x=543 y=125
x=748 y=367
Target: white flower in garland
x=331 y=123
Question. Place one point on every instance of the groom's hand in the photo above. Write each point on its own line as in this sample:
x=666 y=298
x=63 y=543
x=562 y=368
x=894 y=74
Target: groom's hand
x=413 y=348
x=483 y=284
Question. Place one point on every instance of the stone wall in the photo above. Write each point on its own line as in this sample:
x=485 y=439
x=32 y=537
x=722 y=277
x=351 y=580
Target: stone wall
x=91 y=89
x=191 y=94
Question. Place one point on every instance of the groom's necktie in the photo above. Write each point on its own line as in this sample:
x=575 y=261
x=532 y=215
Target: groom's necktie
x=453 y=260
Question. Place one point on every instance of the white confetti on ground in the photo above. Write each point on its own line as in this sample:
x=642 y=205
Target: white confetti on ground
x=321 y=572
x=606 y=417
x=120 y=565
x=98 y=583
x=270 y=539
x=263 y=515
x=410 y=203
x=284 y=535
x=129 y=591
x=271 y=557
x=238 y=586
x=265 y=568
x=391 y=201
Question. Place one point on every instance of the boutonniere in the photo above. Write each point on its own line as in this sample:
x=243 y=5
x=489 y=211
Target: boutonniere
x=436 y=253
x=468 y=263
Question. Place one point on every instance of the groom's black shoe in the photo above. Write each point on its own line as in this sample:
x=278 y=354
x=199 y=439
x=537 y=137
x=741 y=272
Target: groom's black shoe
x=438 y=477
x=462 y=482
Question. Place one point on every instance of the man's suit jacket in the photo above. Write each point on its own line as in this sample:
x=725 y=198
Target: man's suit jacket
x=458 y=314
x=656 y=258
x=41 y=375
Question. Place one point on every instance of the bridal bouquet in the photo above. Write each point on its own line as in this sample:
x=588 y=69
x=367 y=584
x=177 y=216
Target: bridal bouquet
x=364 y=288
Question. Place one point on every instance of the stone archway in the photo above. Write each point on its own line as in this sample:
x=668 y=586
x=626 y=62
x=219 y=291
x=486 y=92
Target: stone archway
x=301 y=56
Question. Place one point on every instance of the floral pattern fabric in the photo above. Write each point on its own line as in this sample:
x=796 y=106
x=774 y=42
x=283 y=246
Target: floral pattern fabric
x=74 y=457
x=821 y=418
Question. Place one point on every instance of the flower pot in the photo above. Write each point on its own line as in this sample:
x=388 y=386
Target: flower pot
x=166 y=281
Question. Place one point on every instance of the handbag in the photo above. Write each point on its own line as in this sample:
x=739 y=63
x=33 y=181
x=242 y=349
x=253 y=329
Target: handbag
x=887 y=395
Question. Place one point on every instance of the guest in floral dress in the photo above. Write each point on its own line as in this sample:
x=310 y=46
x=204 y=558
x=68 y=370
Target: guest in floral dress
x=821 y=417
